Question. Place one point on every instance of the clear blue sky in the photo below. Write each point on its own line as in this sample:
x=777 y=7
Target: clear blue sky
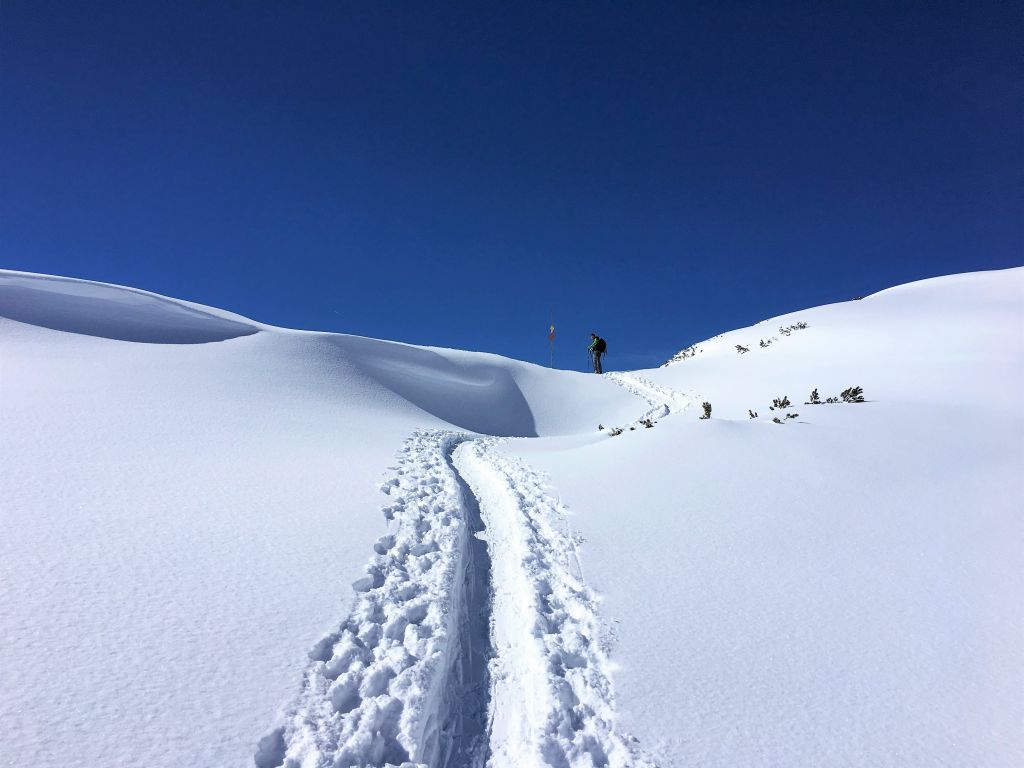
x=457 y=173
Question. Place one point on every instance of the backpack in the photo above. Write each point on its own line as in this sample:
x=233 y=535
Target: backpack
x=602 y=345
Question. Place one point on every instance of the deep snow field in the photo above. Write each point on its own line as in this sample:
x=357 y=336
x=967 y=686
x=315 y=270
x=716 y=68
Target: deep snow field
x=227 y=544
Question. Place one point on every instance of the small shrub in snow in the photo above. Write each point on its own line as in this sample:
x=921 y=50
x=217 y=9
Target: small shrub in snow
x=753 y=414
x=707 y=410
x=788 y=416
x=741 y=349
x=852 y=395
x=600 y=427
x=765 y=344
x=848 y=395
x=785 y=330
x=682 y=354
x=776 y=419
x=647 y=423
x=780 y=403
x=615 y=432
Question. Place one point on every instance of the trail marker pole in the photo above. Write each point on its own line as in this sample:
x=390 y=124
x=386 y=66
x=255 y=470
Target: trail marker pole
x=551 y=344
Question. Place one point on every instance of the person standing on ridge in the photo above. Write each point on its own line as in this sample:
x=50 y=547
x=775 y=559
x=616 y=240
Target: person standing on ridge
x=597 y=347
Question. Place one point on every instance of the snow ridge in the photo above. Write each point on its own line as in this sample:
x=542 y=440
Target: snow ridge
x=375 y=692
x=551 y=686
x=663 y=400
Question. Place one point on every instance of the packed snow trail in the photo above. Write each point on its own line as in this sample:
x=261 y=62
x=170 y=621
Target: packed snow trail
x=473 y=640
x=384 y=688
x=464 y=734
x=551 y=700
x=663 y=401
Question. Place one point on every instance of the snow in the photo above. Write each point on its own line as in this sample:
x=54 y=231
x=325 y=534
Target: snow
x=552 y=684
x=113 y=312
x=841 y=590
x=196 y=570
x=374 y=686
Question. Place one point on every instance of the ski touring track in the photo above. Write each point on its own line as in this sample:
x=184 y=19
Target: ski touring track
x=663 y=401
x=473 y=641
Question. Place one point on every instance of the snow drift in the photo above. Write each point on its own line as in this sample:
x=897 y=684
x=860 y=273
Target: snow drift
x=113 y=312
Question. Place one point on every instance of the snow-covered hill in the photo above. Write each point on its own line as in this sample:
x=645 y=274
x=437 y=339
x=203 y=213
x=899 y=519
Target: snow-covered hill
x=187 y=496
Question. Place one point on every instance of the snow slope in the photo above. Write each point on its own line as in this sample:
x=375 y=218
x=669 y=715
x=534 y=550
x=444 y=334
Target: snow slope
x=842 y=589
x=182 y=520
x=194 y=558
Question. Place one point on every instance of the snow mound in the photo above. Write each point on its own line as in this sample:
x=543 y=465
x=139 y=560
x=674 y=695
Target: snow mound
x=113 y=311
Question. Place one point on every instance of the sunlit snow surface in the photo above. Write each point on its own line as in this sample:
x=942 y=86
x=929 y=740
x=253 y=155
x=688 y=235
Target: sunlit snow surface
x=187 y=496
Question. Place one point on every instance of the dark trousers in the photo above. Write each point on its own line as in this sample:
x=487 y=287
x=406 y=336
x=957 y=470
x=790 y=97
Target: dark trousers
x=597 y=361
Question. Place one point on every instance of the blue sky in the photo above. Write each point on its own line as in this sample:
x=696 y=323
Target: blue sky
x=458 y=173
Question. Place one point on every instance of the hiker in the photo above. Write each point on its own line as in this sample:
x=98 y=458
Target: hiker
x=597 y=348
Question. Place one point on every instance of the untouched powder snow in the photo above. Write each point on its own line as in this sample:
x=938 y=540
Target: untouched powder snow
x=230 y=544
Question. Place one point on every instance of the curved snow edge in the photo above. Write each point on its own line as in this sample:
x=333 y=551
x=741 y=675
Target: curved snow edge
x=115 y=312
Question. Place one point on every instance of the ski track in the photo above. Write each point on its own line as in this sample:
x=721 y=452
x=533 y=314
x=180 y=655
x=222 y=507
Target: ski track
x=663 y=401
x=551 y=681
x=379 y=690
x=473 y=640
